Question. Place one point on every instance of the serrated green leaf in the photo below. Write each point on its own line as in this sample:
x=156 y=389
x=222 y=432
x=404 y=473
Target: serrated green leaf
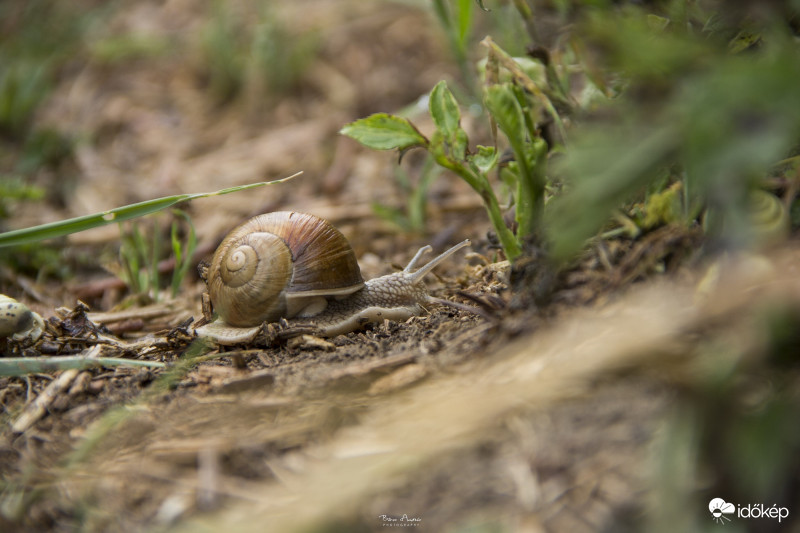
x=382 y=131
x=444 y=110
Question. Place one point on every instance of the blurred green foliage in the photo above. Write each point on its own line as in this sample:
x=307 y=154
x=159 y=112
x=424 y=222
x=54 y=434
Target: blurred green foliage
x=114 y=49
x=455 y=18
x=241 y=56
x=253 y=55
x=411 y=218
x=13 y=189
x=718 y=118
x=142 y=250
x=732 y=431
x=38 y=38
x=448 y=146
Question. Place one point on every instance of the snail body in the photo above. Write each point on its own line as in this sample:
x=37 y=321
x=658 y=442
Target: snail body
x=310 y=275
x=18 y=322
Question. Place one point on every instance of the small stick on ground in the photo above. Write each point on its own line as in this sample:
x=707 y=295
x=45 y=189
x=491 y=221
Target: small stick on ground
x=37 y=408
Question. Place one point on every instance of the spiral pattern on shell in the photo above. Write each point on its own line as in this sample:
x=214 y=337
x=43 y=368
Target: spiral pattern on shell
x=769 y=221
x=240 y=264
x=277 y=258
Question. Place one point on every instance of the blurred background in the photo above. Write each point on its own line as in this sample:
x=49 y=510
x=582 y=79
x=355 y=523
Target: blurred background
x=663 y=121
x=103 y=104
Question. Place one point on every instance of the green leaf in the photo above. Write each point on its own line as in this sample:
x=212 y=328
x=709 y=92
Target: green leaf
x=486 y=158
x=449 y=152
x=444 y=110
x=437 y=149
x=120 y=214
x=452 y=138
x=185 y=255
x=464 y=21
x=458 y=145
x=382 y=131
x=505 y=109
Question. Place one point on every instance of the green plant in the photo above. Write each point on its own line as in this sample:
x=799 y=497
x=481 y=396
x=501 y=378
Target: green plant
x=460 y=23
x=695 y=102
x=731 y=429
x=14 y=189
x=277 y=56
x=182 y=252
x=455 y=19
x=37 y=38
x=222 y=54
x=412 y=217
x=141 y=253
x=114 y=49
x=707 y=99
x=23 y=85
x=512 y=109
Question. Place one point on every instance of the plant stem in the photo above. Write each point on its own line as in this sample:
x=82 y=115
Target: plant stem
x=527 y=17
x=530 y=187
x=481 y=185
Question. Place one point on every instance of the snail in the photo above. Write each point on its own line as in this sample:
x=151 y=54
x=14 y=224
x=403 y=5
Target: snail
x=289 y=265
x=18 y=322
x=768 y=218
x=763 y=221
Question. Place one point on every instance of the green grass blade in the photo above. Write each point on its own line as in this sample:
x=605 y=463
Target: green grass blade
x=129 y=260
x=183 y=256
x=153 y=277
x=21 y=366
x=120 y=214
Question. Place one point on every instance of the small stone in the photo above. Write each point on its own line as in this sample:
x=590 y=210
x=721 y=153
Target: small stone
x=310 y=342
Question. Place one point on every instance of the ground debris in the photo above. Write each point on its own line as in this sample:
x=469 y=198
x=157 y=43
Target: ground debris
x=401 y=378
x=310 y=342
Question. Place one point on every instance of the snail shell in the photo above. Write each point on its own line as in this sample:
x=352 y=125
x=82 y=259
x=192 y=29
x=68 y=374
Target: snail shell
x=281 y=264
x=769 y=220
x=18 y=322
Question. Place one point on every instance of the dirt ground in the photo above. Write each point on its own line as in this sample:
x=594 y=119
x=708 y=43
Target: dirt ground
x=550 y=419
